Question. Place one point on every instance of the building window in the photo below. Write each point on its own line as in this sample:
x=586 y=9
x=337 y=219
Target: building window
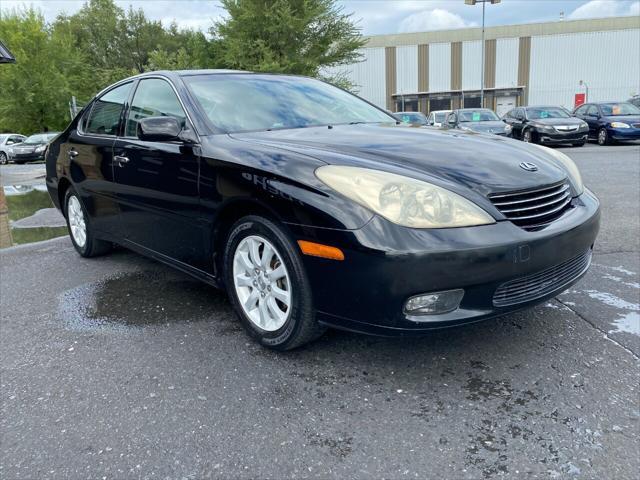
x=471 y=102
x=439 y=104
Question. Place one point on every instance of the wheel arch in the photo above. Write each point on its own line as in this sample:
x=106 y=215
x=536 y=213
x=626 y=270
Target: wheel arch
x=63 y=185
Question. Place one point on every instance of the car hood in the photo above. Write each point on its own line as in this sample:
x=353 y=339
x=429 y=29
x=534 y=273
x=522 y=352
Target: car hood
x=623 y=118
x=496 y=126
x=457 y=159
x=557 y=121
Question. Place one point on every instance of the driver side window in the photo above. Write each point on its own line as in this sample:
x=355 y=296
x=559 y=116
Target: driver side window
x=154 y=97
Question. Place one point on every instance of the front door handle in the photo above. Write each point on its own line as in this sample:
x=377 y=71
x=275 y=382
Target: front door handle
x=120 y=160
x=73 y=153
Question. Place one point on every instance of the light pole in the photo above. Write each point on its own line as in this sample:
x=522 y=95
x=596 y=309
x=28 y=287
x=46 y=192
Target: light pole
x=473 y=2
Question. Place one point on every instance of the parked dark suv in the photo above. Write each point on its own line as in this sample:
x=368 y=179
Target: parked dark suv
x=546 y=125
x=610 y=121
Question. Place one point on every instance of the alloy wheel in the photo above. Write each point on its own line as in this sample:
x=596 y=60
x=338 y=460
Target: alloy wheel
x=602 y=136
x=3 y=158
x=77 y=222
x=526 y=136
x=262 y=283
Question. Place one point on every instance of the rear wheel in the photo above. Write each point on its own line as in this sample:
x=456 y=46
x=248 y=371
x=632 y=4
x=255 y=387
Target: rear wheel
x=3 y=158
x=603 y=137
x=79 y=225
x=268 y=286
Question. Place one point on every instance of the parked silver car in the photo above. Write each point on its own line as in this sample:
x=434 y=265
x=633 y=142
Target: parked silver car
x=7 y=141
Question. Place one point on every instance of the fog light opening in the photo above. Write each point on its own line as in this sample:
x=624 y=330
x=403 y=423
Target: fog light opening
x=434 y=303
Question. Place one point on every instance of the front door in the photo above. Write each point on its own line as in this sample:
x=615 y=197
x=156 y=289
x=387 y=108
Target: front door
x=157 y=182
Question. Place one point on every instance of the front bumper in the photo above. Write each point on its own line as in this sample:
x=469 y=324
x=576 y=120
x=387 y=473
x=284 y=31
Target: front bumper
x=562 y=137
x=27 y=157
x=386 y=264
x=622 y=134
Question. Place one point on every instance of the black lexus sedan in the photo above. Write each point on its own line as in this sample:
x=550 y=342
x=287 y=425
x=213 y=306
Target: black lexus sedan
x=481 y=120
x=315 y=209
x=33 y=148
x=546 y=125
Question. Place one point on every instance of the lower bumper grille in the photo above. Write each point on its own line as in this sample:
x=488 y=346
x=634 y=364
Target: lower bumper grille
x=538 y=285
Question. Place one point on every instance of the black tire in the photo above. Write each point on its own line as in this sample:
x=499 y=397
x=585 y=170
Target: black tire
x=528 y=136
x=3 y=158
x=93 y=247
x=603 y=137
x=301 y=326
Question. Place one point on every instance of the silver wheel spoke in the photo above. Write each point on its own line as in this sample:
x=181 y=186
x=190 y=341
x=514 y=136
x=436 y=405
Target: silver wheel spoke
x=264 y=295
x=77 y=222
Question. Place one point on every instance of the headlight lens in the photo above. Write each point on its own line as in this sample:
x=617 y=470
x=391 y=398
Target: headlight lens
x=569 y=166
x=508 y=128
x=620 y=125
x=41 y=148
x=403 y=200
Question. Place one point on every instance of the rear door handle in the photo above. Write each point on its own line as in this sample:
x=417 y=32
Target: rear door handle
x=120 y=160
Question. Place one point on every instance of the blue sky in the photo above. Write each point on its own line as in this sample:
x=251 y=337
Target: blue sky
x=377 y=16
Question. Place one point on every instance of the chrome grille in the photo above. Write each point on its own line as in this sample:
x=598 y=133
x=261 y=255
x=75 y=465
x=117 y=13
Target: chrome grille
x=535 y=208
x=538 y=285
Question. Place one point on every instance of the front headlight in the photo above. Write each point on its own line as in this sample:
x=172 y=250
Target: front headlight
x=403 y=200
x=620 y=125
x=584 y=126
x=508 y=128
x=569 y=166
x=41 y=149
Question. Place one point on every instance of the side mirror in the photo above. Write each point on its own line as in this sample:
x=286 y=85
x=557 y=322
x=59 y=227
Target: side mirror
x=159 y=129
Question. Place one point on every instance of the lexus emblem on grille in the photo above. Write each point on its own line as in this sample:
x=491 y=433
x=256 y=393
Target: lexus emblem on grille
x=528 y=166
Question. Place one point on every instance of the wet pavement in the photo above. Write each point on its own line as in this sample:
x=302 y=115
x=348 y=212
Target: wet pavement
x=119 y=367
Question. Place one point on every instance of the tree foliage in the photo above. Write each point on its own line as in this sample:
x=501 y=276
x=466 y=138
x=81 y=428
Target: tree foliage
x=79 y=54
x=288 y=36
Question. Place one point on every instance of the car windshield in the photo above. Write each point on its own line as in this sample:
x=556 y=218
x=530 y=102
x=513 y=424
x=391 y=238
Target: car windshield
x=244 y=102
x=439 y=117
x=412 y=118
x=538 y=113
x=619 y=109
x=477 y=116
x=39 y=138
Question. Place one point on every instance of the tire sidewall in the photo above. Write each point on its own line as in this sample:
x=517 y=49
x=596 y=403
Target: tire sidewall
x=301 y=304
x=606 y=136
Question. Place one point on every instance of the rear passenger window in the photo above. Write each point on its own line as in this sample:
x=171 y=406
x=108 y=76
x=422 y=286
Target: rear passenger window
x=153 y=98
x=105 y=114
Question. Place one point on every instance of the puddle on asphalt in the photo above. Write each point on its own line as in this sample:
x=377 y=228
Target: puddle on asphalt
x=31 y=214
x=139 y=299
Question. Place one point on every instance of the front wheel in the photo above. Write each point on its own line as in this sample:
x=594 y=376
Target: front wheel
x=603 y=137
x=80 y=231
x=3 y=158
x=267 y=284
x=527 y=136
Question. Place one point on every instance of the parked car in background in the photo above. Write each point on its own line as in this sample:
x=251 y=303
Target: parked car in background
x=33 y=148
x=412 y=118
x=437 y=117
x=635 y=100
x=546 y=125
x=481 y=120
x=7 y=143
x=610 y=121
x=323 y=213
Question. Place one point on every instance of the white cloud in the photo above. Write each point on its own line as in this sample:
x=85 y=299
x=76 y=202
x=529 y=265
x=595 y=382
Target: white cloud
x=436 y=19
x=604 y=8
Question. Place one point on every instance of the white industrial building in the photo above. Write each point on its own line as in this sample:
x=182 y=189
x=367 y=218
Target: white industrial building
x=538 y=63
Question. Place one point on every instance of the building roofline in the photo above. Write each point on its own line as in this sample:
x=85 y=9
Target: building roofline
x=505 y=31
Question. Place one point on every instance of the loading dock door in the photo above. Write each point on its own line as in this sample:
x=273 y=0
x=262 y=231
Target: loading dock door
x=504 y=104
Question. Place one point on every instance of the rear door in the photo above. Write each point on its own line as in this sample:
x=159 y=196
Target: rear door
x=87 y=153
x=157 y=182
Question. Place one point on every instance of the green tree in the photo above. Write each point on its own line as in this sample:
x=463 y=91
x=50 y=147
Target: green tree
x=36 y=90
x=303 y=37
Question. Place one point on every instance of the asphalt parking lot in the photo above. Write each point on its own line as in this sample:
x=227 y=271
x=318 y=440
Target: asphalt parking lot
x=119 y=367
